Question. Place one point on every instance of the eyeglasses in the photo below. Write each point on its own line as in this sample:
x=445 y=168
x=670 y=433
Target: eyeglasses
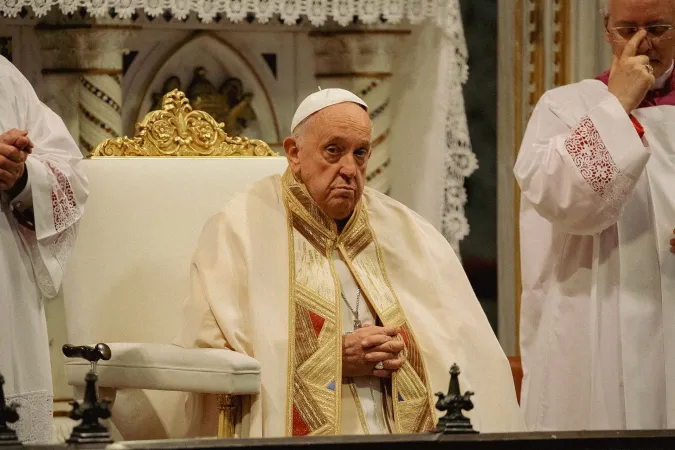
x=655 y=33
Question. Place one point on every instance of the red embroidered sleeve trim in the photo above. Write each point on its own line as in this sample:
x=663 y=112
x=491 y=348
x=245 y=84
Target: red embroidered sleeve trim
x=64 y=206
x=596 y=165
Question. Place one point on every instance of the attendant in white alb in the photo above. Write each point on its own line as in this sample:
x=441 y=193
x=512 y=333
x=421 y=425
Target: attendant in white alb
x=42 y=196
x=597 y=170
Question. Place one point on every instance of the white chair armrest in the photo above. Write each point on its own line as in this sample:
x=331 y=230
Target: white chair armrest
x=165 y=367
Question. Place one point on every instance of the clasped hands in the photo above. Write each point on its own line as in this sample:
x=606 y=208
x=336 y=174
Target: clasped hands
x=363 y=349
x=15 y=146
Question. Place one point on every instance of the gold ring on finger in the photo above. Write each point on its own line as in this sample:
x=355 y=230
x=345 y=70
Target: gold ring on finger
x=649 y=68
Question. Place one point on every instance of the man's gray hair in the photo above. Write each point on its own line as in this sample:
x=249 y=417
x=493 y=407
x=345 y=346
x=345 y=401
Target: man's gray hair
x=604 y=7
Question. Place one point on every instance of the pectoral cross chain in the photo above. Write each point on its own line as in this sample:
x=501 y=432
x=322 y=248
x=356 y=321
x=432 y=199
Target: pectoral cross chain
x=355 y=310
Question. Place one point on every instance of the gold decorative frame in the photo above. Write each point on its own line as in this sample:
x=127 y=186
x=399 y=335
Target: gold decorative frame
x=179 y=131
x=561 y=41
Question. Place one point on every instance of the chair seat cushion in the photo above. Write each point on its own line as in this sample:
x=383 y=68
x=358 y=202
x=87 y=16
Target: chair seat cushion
x=167 y=367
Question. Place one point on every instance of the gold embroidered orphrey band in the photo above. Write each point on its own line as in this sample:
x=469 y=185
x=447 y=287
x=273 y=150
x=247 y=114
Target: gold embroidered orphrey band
x=315 y=327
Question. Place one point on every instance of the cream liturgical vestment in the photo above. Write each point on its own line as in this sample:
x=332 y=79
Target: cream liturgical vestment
x=597 y=215
x=33 y=254
x=265 y=282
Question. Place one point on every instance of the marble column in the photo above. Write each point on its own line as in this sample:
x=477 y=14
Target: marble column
x=361 y=61
x=82 y=68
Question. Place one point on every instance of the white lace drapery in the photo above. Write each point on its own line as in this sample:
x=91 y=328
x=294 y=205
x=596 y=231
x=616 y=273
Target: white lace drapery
x=429 y=143
x=459 y=160
x=317 y=11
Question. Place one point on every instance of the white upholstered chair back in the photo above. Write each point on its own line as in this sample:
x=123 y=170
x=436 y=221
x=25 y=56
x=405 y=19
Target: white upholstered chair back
x=128 y=275
x=127 y=279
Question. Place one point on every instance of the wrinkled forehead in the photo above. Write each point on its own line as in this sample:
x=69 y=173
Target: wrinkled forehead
x=347 y=120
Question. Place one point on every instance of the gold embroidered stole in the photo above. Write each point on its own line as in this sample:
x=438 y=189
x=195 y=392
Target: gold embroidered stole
x=315 y=319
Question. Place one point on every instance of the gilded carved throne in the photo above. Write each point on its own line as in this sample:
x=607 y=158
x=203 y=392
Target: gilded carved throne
x=178 y=130
x=127 y=279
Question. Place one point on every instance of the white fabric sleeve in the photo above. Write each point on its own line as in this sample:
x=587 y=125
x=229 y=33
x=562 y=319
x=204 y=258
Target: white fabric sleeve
x=58 y=189
x=579 y=175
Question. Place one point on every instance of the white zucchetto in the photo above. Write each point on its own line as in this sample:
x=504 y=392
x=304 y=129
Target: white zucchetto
x=322 y=99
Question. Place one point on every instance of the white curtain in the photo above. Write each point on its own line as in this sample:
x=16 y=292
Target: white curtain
x=429 y=143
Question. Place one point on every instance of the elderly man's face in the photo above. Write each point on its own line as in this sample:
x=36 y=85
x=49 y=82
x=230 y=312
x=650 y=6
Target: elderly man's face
x=643 y=13
x=329 y=155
